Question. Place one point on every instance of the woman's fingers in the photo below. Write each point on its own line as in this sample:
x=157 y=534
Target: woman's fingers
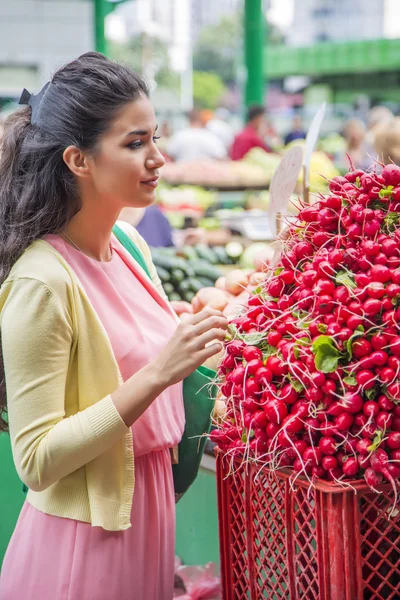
x=214 y=334
x=209 y=351
x=206 y=313
x=216 y=321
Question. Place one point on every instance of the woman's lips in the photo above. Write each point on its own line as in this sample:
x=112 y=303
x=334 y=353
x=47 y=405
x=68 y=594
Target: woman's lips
x=151 y=182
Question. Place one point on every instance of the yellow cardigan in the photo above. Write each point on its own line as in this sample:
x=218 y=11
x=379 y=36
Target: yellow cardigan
x=70 y=445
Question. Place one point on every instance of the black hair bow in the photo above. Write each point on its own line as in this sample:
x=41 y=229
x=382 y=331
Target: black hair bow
x=33 y=101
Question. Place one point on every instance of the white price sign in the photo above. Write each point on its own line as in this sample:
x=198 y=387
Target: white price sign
x=283 y=183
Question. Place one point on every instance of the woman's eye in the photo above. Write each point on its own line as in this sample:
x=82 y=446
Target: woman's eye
x=155 y=138
x=135 y=145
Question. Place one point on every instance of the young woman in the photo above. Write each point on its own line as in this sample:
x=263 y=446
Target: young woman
x=93 y=356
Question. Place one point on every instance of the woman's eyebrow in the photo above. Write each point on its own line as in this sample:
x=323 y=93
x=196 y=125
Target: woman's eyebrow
x=141 y=132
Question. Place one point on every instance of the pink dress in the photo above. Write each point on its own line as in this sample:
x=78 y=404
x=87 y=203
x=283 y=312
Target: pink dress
x=51 y=558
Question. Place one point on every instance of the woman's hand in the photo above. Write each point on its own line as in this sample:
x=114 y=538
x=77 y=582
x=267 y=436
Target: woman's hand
x=197 y=338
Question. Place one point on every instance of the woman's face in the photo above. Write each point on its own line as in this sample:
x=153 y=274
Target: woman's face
x=125 y=166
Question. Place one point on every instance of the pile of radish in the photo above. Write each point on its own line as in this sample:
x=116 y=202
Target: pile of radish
x=310 y=374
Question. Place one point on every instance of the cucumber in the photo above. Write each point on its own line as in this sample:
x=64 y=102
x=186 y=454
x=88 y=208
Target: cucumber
x=173 y=262
x=195 y=285
x=168 y=288
x=206 y=253
x=188 y=296
x=163 y=274
x=234 y=250
x=174 y=297
x=177 y=275
x=188 y=252
x=223 y=258
x=205 y=282
x=202 y=269
x=184 y=286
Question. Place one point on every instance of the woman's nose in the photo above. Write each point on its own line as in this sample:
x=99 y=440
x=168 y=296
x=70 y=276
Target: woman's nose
x=155 y=161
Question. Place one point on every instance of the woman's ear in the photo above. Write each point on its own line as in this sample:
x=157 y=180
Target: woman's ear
x=76 y=161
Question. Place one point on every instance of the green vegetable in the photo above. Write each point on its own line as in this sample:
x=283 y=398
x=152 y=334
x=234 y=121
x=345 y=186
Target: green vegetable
x=174 y=297
x=205 y=281
x=188 y=252
x=203 y=269
x=234 y=250
x=177 y=275
x=346 y=279
x=206 y=253
x=163 y=274
x=326 y=354
x=188 y=296
x=168 y=288
x=222 y=257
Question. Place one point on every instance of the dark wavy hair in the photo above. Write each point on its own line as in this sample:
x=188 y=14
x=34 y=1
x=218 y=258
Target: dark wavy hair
x=38 y=192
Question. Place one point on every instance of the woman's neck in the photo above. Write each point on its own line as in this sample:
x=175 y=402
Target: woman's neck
x=91 y=232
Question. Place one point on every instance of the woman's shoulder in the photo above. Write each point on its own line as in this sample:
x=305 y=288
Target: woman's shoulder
x=42 y=263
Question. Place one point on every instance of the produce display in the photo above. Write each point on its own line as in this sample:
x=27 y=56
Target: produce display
x=224 y=174
x=185 y=271
x=310 y=373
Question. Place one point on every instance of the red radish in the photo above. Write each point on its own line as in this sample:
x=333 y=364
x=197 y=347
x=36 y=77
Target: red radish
x=286 y=439
x=276 y=411
x=288 y=394
x=344 y=421
x=379 y=358
x=350 y=466
x=372 y=307
x=251 y=388
x=393 y=440
x=387 y=375
x=236 y=348
x=263 y=376
x=373 y=479
x=272 y=430
x=329 y=462
x=253 y=366
x=366 y=379
x=260 y=419
x=393 y=470
x=327 y=445
x=335 y=474
x=391 y=175
x=363 y=446
x=237 y=375
x=395 y=455
x=312 y=456
x=274 y=338
x=384 y=420
x=371 y=409
x=352 y=403
x=361 y=347
x=385 y=403
x=376 y=290
x=251 y=353
x=318 y=472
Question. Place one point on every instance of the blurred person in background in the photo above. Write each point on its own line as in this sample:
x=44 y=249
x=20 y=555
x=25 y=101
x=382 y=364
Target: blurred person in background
x=195 y=142
x=387 y=142
x=297 y=132
x=151 y=223
x=357 y=149
x=220 y=126
x=252 y=135
x=378 y=116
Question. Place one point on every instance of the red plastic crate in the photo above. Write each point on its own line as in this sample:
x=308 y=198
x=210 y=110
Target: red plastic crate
x=323 y=543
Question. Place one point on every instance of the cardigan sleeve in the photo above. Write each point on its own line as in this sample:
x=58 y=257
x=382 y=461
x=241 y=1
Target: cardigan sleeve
x=37 y=337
